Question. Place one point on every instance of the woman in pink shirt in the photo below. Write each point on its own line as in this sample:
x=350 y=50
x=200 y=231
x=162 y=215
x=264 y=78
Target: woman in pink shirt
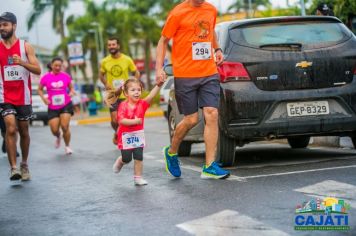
x=60 y=108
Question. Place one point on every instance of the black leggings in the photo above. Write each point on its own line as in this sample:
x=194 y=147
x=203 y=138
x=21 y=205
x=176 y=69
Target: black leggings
x=136 y=153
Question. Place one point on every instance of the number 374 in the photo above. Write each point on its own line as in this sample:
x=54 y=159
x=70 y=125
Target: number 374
x=132 y=140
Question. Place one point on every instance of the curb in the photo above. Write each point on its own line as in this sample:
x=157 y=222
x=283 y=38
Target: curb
x=97 y=120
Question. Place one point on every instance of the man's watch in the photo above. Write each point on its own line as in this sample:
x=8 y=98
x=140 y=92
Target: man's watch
x=218 y=49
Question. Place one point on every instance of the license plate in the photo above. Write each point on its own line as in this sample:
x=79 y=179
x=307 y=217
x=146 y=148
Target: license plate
x=311 y=108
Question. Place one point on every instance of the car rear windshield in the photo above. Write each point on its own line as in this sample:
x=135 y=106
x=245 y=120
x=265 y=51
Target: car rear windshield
x=308 y=34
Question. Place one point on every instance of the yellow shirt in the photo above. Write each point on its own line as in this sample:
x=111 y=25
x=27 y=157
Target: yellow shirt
x=117 y=70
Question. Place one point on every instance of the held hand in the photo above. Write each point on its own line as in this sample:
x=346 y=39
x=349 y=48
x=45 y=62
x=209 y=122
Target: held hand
x=160 y=84
x=219 y=57
x=161 y=76
x=17 y=59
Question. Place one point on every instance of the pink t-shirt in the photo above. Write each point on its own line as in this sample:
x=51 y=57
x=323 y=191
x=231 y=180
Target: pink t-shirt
x=125 y=111
x=57 y=88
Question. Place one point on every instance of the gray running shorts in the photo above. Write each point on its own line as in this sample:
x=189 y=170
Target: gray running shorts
x=194 y=93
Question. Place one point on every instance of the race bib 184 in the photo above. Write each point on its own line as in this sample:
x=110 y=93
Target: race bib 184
x=13 y=73
x=201 y=51
x=133 y=139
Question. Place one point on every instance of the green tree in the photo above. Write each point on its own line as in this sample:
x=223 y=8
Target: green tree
x=346 y=10
x=343 y=9
x=239 y=5
x=58 y=8
x=290 y=11
x=82 y=27
x=165 y=7
x=146 y=27
x=315 y=3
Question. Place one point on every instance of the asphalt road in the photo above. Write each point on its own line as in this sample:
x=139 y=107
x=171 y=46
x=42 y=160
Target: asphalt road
x=80 y=195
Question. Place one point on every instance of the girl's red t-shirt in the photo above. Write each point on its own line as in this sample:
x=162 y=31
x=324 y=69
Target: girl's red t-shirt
x=125 y=111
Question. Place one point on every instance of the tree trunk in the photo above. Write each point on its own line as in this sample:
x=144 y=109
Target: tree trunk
x=148 y=62
x=63 y=37
x=94 y=64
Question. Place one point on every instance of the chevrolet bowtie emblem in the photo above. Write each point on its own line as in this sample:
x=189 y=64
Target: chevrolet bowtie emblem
x=304 y=64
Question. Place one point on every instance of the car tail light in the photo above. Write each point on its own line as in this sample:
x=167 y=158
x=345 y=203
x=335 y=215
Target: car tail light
x=233 y=71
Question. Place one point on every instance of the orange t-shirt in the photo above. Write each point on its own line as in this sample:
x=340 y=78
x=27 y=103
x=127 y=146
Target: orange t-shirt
x=192 y=31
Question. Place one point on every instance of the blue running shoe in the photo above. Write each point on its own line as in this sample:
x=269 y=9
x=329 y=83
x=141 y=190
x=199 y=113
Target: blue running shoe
x=214 y=171
x=172 y=162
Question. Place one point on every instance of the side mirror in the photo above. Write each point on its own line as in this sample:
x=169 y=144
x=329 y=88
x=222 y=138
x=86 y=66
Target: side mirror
x=168 y=69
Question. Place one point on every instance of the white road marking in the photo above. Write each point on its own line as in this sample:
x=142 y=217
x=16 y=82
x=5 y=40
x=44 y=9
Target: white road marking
x=299 y=172
x=296 y=162
x=331 y=188
x=229 y=223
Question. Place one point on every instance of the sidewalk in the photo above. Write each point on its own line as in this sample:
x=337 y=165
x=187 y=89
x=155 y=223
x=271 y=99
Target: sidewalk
x=104 y=116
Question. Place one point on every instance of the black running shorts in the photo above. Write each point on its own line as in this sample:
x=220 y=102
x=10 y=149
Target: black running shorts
x=56 y=113
x=22 y=113
x=194 y=93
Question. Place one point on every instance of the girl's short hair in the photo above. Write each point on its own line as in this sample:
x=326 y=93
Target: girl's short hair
x=132 y=80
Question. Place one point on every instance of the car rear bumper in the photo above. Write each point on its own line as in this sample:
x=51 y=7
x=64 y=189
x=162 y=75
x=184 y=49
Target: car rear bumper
x=316 y=127
x=253 y=114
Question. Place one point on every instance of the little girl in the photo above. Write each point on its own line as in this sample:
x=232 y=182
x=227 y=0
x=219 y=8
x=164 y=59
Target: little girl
x=130 y=135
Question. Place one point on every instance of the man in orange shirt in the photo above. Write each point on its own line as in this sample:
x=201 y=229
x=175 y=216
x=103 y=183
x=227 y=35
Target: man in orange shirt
x=191 y=27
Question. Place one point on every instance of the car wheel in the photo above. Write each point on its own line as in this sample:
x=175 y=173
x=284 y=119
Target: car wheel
x=45 y=122
x=299 y=142
x=226 y=149
x=185 y=146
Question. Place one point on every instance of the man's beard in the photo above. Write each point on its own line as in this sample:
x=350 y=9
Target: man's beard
x=7 y=35
x=113 y=51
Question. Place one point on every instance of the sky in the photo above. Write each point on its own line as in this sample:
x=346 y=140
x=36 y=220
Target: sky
x=42 y=33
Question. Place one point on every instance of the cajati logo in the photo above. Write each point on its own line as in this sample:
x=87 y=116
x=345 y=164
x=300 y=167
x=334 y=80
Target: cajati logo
x=322 y=214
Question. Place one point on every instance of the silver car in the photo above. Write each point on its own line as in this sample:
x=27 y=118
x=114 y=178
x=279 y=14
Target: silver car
x=164 y=95
x=39 y=109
